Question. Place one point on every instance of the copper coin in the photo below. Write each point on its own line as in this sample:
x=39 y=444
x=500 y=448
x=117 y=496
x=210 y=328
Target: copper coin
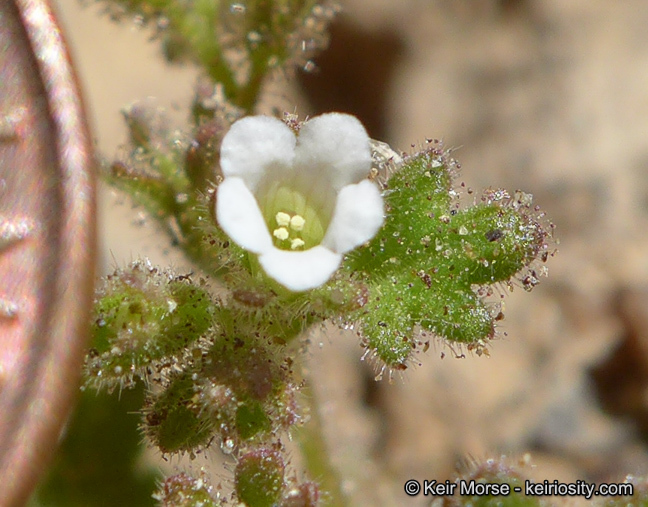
x=47 y=241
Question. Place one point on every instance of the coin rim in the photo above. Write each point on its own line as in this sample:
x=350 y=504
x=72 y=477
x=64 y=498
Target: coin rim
x=56 y=377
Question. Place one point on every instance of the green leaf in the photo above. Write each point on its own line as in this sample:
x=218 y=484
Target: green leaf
x=259 y=478
x=424 y=266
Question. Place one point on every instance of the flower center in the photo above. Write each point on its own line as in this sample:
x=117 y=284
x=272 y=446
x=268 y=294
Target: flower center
x=293 y=222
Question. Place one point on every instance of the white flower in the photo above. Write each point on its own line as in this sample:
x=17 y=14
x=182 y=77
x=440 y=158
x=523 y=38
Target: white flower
x=298 y=202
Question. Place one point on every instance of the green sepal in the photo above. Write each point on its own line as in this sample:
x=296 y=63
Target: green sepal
x=259 y=478
x=143 y=314
x=251 y=419
x=175 y=420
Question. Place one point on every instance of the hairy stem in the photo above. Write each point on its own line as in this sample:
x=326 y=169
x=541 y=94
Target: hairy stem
x=316 y=454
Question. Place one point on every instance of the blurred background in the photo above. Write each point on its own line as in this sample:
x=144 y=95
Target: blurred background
x=546 y=96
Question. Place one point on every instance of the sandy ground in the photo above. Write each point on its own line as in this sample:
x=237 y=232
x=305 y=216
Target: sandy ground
x=547 y=96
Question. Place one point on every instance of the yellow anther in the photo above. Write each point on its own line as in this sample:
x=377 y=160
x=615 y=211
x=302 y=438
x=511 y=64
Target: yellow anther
x=297 y=223
x=281 y=233
x=296 y=243
x=283 y=219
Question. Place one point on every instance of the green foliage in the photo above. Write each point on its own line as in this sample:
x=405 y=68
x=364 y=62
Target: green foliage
x=251 y=420
x=424 y=265
x=174 y=422
x=235 y=391
x=168 y=177
x=260 y=478
x=428 y=268
x=222 y=369
x=268 y=34
x=144 y=314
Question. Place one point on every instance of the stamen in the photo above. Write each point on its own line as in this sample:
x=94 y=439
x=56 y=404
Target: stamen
x=296 y=243
x=281 y=233
x=283 y=219
x=297 y=223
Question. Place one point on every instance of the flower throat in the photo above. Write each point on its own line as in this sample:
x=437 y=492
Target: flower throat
x=292 y=221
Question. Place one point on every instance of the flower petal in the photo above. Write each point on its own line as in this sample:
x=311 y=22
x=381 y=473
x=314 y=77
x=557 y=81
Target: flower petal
x=300 y=271
x=358 y=215
x=239 y=216
x=332 y=150
x=255 y=145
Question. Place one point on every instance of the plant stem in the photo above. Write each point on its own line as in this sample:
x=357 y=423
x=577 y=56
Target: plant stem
x=316 y=454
